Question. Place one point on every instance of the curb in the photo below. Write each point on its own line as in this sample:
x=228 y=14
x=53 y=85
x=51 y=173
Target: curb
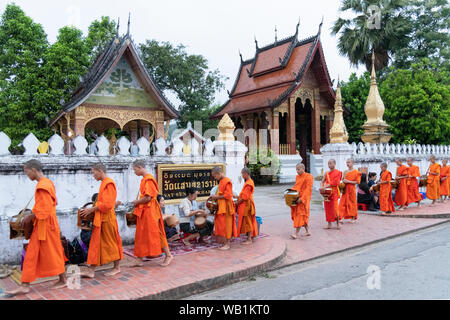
x=214 y=283
x=419 y=216
x=330 y=254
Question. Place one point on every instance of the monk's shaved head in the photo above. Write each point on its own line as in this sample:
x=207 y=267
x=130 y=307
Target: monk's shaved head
x=246 y=171
x=300 y=165
x=384 y=165
x=217 y=170
x=99 y=167
x=334 y=161
x=351 y=160
x=33 y=164
x=139 y=163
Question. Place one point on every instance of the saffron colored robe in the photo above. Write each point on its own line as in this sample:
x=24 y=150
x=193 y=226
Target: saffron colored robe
x=225 y=220
x=105 y=245
x=386 y=203
x=45 y=254
x=150 y=234
x=444 y=188
x=333 y=178
x=246 y=210
x=300 y=213
x=413 y=185
x=433 y=182
x=348 y=205
x=401 y=194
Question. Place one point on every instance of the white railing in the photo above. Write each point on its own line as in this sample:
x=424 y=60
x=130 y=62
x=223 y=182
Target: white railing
x=398 y=150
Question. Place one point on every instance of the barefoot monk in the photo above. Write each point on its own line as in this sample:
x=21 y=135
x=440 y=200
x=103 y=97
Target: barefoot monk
x=401 y=194
x=413 y=186
x=45 y=254
x=105 y=245
x=433 y=181
x=150 y=238
x=348 y=207
x=300 y=213
x=246 y=208
x=332 y=180
x=386 y=203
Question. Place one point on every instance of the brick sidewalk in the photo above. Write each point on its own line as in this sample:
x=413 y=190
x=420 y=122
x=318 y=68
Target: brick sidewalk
x=201 y=271
x=439 y=211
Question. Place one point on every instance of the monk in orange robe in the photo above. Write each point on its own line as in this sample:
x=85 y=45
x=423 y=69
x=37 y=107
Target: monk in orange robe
x=300 y=213
x=246 y=208
x=433 y=181
x=45 y=254
x=348 y=206
x=150 y=239
x=386 y=203
x=413 y=186
x=105 y=245
x=401 y=194
x=225 y=219
x=444 y=188
x=332 y=179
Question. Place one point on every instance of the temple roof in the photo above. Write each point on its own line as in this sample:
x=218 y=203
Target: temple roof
x=277 y=71
x=101 y=69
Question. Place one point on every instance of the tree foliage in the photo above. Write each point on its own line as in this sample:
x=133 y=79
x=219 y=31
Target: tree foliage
x=357 y=37
x=188 y=76
x=418 y=103
x=354 y=97
x=100 y=33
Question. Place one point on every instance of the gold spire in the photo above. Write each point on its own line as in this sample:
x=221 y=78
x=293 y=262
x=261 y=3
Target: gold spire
x=338 y=132
x=375 y=128
x=226 y=128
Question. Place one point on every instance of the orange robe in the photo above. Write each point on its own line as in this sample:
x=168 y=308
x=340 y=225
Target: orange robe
x=348 y=206
x=433 y=182
x=413 y=185
x=401 y=194
x=225 y=220
x=246 y=210
x=150 y=235
x=333 y=178
x=386 y=203
x=444 y=188
x=300 y=213
x=45 y=254
x=106 y=244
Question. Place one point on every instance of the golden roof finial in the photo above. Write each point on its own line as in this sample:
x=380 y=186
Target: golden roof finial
x=338 y=132
x=226 y=128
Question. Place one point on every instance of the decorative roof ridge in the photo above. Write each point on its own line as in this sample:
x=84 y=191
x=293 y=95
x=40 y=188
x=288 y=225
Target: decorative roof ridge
x=258 y=90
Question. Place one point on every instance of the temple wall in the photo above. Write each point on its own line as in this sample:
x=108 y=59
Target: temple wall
x=75 y=185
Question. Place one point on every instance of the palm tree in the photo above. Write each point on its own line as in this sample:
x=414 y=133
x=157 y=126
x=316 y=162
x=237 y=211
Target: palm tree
x=358 y=39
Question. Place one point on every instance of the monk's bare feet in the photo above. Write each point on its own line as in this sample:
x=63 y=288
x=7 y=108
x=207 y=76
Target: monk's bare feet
x=293 y=236
x=167 y=261
x=87 y=274
x=59 y=285
x=138 y=263
x=338 y=227
x=418 y=205
x=18 y=291
x=113 y=272
x=307 y=234
x=225 y=247
x=187 y=243
x=247 y=242
x=328 y=227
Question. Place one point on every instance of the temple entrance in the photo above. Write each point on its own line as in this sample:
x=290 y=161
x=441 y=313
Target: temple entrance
x=284 y=143
x=303 y=129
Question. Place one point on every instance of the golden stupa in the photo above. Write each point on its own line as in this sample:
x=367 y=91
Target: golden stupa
x=375 y=128
x=226 y=128
x=338 y=132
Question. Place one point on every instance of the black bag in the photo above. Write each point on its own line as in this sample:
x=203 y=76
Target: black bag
x=78 y=254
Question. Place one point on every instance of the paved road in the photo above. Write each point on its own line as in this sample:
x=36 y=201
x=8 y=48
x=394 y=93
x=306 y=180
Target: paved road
x=415 y=266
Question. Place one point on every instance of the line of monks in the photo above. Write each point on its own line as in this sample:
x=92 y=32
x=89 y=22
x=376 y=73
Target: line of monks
x=344 y=206
x=45 y=254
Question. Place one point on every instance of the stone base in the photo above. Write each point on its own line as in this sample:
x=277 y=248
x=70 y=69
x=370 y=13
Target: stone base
x=288 y=170
x=376 y=134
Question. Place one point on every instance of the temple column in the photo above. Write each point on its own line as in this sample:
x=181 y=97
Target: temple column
x=275 y=133
x=315 y=122
x=133 y=132
x=159 y=125
x=79 y=121
x=291 y=128
x=328 y=125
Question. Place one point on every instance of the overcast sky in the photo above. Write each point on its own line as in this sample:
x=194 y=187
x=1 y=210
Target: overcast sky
x=215 y=29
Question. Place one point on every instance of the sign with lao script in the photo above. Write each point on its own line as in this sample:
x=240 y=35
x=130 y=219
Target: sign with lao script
x=174 y=179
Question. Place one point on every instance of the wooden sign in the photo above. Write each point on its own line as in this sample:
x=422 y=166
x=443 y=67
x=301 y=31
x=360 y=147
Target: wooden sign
x=174 y=179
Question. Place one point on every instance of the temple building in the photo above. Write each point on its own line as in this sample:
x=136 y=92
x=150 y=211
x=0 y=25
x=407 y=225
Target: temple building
x=117 y=92
x=286 y=86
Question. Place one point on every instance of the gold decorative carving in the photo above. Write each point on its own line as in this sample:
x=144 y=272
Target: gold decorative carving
x=303 y=94
x=338 y=133
x=375 y=128
x=226 y=128
x=282 y=108
x=120 y=116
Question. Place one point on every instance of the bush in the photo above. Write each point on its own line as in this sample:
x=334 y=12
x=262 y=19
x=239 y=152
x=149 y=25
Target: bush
x=264 y=166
